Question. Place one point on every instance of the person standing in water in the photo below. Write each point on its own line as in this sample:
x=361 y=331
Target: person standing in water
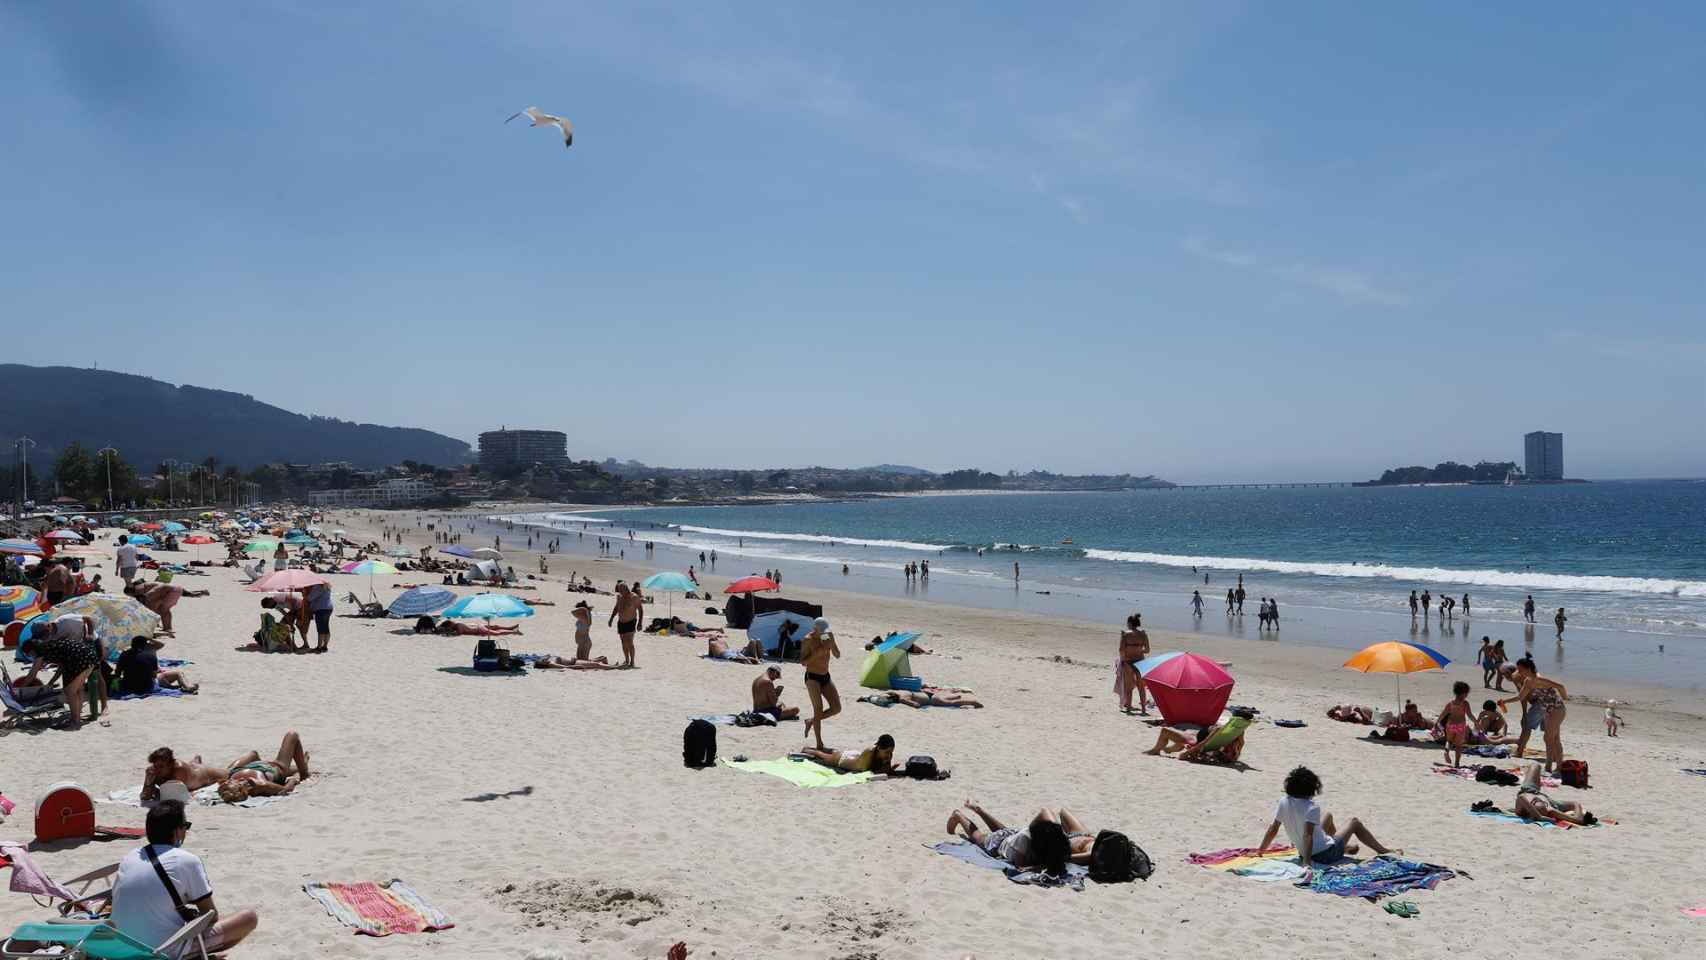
x=1528 y=609
x=1559 y=620
x=1466 y=606
x=1015 y=573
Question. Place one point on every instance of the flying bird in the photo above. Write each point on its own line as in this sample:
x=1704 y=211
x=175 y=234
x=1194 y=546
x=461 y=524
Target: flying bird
x=545 y=119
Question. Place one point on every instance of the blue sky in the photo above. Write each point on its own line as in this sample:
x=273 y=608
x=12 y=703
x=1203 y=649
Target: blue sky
x=1210 y=241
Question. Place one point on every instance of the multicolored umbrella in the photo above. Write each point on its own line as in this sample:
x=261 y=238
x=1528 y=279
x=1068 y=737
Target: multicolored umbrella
x=28 y=548
x=752 y=584
x=117 y=618
x=1154 y=660
x=66 y=535
x=26 y=601
x=1397 y=657
x=487 y=606
x=421 y=601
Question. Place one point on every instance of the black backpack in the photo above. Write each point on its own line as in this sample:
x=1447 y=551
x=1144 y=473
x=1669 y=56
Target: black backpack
x=1115 y=859
x=1491 y=774
x=699 y=744
x=922 y=768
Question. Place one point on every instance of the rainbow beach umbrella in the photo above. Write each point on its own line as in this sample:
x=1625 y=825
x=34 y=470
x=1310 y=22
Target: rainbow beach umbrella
x=26 y=601
x=1397 y=657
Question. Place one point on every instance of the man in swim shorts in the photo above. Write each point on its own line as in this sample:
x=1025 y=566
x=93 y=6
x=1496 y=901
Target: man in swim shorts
x=718 y=649
x=815 y=651
x=626 y=616
x=767 y=696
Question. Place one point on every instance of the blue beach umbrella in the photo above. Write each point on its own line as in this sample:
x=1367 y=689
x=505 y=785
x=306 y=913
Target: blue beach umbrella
x=669 y=582
x=487 y=606
x=173 y=526
x=421 y=601
x=141 y=539
x=458 y=550
x=1155 y=660
x=28 y=548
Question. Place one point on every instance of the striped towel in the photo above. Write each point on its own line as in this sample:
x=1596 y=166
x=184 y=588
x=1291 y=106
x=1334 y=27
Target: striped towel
x=1279 y=863
x=378 y=909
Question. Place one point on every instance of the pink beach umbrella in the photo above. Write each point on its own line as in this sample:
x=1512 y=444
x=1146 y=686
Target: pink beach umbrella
x=1189 y=689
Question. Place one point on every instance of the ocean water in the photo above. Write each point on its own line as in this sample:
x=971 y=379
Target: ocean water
x=1627 y=560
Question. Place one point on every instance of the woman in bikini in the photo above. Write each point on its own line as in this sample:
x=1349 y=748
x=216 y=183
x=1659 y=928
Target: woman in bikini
x=815 y=651
x=878 y=758
x=1134 y=646
x=1532 y=804
x=249 y=775
x=928 y=697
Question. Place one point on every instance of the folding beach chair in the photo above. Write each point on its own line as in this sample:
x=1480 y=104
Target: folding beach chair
x=95 y=940
x=1229 y=731
x=35 y=710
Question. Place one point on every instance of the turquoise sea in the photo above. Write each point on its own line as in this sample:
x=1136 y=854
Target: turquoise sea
x=1627 y=560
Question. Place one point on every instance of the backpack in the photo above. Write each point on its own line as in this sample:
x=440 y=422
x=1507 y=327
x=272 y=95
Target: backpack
x=922 y=768
x=1574 y=773
x=699 y=745
x=1115 y=859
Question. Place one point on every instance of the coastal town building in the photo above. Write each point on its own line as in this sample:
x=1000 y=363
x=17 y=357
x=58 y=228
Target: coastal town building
x=394 y=490
x=1543 y=455
x=506 y=449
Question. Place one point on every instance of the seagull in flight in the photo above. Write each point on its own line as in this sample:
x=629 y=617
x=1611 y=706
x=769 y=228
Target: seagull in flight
x=545 y=119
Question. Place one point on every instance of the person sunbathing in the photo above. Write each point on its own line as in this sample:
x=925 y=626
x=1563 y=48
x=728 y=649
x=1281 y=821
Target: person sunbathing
x=249 y=775
x=1351 y=713
x=1222 y=743
x=551 y=661
x=1049 y=842
x=878 y=758
x=927 y=697
x=1533 y=804
x=450 y=628
x=718 y=649
x=164 y=766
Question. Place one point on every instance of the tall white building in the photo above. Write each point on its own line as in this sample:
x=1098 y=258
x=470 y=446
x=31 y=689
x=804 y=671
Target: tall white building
x=1543 y=455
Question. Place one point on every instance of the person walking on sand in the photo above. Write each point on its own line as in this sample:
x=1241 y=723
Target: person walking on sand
x=1134 y=646
x=1196 y=603
x=815 y=651
x=626 y=615
x=1231 y=601
x=1559 y=620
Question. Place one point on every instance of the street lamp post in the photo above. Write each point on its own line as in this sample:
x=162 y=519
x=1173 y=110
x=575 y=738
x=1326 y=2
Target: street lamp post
x=108 y=453
x=24 y=444
x=171 y=467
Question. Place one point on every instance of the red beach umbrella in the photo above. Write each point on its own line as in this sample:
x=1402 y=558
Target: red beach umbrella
x=751 y=585
x=1190 y=689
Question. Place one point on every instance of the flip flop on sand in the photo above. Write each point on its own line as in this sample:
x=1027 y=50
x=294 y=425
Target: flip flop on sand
x=1402 y=908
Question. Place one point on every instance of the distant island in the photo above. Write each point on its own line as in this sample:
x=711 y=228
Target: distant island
x=1487 y=471
x=638 y=481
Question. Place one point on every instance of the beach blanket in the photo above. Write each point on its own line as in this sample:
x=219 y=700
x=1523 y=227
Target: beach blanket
x=1468 y=773
x=1279 y=863
x=801 y=773
x=968 y=852
x=29 y=878
x=207 y=796
x=378 y=909
x=1698 y=773
x=1513 y=818
x=1380 y=877
x=1490 y=752
x=158 y=691
x=1694 y=911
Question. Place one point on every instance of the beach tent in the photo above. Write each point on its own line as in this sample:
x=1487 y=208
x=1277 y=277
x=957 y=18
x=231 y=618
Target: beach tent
x=888 y=660
x=1189 y=688
x=486 y=570
x=740 y=610
x=767 y=629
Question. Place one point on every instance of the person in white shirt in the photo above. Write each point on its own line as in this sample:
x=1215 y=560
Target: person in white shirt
x=126 y=559
x=143 y=907
x=1316 y=838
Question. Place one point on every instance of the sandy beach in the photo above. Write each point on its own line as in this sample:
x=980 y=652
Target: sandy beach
x=549 y=813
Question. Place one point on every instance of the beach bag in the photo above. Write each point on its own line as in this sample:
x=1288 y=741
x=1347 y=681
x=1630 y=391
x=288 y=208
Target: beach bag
x=487 y=657
x=1574 y=773
x=1115 y=859
x=424 y=625
x=922 y=768
x=699 y=745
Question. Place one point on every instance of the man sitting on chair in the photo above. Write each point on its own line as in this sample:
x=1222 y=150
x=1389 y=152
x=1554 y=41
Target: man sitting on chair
x=147 y=909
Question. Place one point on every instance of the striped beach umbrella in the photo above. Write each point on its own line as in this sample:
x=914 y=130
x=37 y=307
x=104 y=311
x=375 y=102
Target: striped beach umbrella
x=26 y=601
x=421 y=601
x=1397 y=657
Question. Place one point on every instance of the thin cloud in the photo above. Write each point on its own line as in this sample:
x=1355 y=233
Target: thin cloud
x=1349 y=285
x=1645 y=350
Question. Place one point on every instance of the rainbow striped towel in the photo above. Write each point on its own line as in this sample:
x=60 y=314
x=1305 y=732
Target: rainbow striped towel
x=1279 y=863
x=378 y=909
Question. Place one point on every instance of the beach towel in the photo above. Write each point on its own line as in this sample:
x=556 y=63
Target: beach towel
x=378 y=909
x=1698 y=773
x=158 y=691
x=1279 y=863
x=1382 y=876
x=1694 y=911
x=968 y=852
x=1511 y=817
x=720 y=719
x=801 y=773
x=29 y=878
x=207 y=796
x=1290 y=723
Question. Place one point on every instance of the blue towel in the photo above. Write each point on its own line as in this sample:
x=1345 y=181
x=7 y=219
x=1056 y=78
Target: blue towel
x=968 y=852
x=1698 y=773
x=159 y=691
x=1511 y=817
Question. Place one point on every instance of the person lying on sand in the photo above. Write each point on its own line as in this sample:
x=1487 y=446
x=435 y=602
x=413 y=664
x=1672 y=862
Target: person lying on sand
x=249 y=775
x=1317 y=838
x=1052 y=839
x=927 y=697
x=1172 y=741
x=551 y=661
x=1351 y=713
x=718 y=649
x=1412 y=718
x=914 y=649
x=450 y=628
x=767 y=696
x=1533 y=804
x=878 y=758
x=164 y=766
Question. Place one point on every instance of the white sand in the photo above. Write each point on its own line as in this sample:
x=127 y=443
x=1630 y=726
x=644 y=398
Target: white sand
x=551 y=812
